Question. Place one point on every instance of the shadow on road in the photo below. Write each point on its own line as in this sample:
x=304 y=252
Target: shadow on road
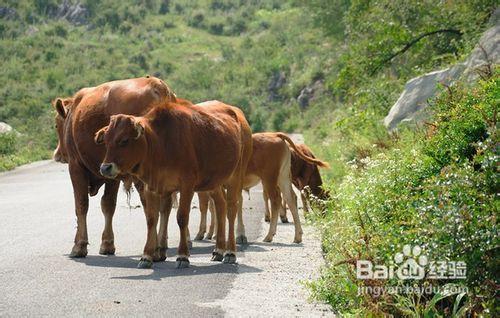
x=257 y=245
x=168 y=269
x=207 y=249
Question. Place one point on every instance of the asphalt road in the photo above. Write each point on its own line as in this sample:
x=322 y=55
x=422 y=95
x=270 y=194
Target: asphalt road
x=37 y=278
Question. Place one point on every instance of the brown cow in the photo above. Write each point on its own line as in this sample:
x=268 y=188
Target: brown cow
x=77 y=121
x=186 y=148
x=305 y=177
x=271 y=164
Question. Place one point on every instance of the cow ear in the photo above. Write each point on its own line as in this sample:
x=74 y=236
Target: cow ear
x=138 y=128
x=99 y=135
x=59 y=105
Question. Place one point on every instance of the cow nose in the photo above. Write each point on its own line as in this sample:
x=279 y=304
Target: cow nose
x=106 y=169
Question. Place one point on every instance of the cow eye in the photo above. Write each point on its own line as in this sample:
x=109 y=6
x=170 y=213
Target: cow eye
x=123 y=142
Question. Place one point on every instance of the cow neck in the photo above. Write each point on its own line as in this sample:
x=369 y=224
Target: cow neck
x=154 y=158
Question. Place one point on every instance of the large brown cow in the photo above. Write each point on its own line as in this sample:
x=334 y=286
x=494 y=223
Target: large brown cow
x=271 y=165
x=77 y=121
x=186 y=148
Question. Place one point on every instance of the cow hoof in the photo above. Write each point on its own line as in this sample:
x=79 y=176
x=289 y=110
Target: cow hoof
x=297 y=240
x=145 y=263
x=268 y=238
x=182 y=262
x=107 y=248
x=209 y=236
x=190 y=244
x=160 y=255
x=267 y=219
x=78 y=252
x=229 y=258
x=284 y=219
x=242 y=239
x=217 y=257
x=198 y=237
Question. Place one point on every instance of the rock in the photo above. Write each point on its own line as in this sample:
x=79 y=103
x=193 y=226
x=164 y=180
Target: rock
x=305 y=95
x=277 y=81
x=5 y=128
x=484 y=55
x=411 y=104
x=308 y=93
x=32 y=30
x=76 y=14
x=8 y=13
x=417 y=92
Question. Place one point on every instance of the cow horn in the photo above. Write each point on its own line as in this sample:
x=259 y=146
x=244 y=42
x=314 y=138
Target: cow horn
x=140 y=130
x=99 y=136
x=171 y=94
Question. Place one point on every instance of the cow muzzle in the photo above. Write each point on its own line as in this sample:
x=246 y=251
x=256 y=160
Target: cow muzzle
x=109 y=170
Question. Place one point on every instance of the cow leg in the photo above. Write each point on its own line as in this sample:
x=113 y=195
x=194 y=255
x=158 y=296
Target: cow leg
x=233 y=195
x=165 y=208
x=221 y=211
x=291 y=199
x=283 y=216
x=151 y=210
x=274 y=195
x=175 y=201
x=305 y=203
x=240 y=230
x=267 y=215
x=186 y=196
x=80 y=191
x=203 y=203
x=108 y=206
x=213 y=219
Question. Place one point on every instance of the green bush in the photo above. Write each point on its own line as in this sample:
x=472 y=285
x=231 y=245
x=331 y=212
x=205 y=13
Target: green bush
x=438 y=192
x=7 y=143
x=197 y=20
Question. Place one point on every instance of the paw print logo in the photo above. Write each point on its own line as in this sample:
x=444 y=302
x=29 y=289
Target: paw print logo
x=411 y=263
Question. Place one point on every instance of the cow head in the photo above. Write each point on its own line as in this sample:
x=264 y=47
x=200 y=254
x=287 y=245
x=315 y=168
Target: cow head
x=125 y=145
x=61 y=105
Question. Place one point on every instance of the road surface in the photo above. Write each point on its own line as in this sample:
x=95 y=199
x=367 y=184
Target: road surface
x=37 y=226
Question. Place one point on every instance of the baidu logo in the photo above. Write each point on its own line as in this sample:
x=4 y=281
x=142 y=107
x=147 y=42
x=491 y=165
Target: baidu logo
x=411 y=263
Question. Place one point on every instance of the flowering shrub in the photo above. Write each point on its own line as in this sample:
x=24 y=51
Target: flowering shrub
x=437 y=190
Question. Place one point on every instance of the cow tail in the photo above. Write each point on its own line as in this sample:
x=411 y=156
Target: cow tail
x=302 y=155
x=127 y=187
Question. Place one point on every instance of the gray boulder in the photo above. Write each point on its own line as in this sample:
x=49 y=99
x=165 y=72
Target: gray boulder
x=411 y=104
x=5 y=128
x=8 y=13
x=74 y=13
x=278 y=80
x=308 y=93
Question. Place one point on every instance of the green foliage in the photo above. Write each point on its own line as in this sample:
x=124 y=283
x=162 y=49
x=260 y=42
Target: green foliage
x=7 y=143
x=438 y=192
x=376 y=33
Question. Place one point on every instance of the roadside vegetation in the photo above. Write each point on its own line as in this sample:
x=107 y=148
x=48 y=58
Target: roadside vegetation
x=328 y=68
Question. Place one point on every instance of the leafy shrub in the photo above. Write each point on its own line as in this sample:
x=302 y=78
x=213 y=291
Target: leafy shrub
x=216 y=28
x=7 y=143
x=438 y=192
x=165 y=7
x=197 y=20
